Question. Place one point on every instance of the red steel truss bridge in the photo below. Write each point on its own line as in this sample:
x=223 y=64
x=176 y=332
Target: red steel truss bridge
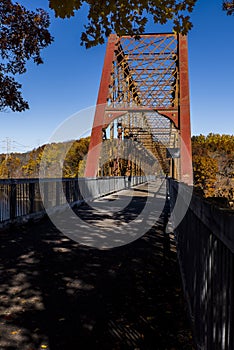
x=63 y=286
x=142 y=119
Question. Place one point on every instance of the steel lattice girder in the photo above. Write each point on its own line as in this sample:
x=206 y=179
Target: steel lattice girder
x=149 y=129
x=144 y=72
x=144 y=87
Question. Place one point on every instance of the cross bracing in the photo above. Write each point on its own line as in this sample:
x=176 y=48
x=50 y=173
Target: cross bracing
x=145 y=106
x=144 y=72
x=149 y=133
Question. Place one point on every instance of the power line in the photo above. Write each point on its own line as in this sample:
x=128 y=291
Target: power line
x=8 y=145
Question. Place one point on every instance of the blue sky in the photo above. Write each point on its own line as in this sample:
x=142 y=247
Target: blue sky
x=68 y=81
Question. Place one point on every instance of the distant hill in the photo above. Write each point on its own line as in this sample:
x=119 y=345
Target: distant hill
x=27 y=165
x=213 y=163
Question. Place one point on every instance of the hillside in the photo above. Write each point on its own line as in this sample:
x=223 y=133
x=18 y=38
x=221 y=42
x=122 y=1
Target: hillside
x=213 y=163
x=27 y=165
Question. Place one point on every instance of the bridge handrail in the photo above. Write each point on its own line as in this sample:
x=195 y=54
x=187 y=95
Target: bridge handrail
x=218 y=220
x=20 y=199
x=205 y=249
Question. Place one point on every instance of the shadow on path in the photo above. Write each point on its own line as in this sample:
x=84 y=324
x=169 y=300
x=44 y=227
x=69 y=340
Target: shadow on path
x=56 y=294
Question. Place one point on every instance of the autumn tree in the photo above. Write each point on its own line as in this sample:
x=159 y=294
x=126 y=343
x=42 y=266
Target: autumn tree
x=10 y=167
x=32 y=164
x=23 y=35
x=205 y=171
x=74 y=161
x=125 y=17
x=228 y=6
x=213 y=164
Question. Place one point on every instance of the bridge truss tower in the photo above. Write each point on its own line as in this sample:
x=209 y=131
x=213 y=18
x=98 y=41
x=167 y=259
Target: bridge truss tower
x=142 y=118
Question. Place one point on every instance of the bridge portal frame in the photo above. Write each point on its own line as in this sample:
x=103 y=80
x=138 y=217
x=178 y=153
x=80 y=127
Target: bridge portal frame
x=178 y=114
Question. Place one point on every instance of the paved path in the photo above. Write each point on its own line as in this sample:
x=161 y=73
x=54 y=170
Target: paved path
x=58 y=294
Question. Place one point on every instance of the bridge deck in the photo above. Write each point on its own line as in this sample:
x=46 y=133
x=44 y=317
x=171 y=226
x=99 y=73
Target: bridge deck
x=58 y=294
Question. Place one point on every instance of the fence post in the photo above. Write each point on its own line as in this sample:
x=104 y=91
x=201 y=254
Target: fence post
x=75 y=190
x=12 y=200
x=67 y=189
x=46 y=194
x=31 y=197
x=58 y=191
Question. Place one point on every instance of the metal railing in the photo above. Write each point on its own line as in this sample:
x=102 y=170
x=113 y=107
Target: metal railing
x=21 y=199
x=205 y=248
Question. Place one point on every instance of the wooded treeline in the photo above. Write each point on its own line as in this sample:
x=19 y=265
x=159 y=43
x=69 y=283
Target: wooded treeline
x=27 y=165
x=213 y=163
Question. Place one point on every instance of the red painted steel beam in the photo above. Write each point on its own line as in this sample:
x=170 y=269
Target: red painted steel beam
x=184 y=112
x=92 y=162
x=171 y=114
x=179 y=114
x=150 y=35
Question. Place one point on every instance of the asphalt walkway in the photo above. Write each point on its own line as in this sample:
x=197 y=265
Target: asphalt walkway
x=106 y=293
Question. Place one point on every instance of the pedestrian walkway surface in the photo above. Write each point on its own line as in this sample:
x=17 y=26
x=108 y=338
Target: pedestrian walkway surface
x=58 y=294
